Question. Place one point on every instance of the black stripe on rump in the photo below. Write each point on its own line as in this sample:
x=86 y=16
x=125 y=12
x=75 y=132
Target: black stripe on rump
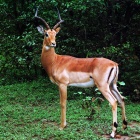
x=110 y=74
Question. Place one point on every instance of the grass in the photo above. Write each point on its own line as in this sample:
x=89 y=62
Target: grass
x=31 y=111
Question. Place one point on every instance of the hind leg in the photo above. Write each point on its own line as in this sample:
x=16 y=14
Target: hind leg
x=117 y=95
x=112 y=100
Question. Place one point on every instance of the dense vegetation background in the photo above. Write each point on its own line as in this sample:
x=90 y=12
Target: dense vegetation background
x=97 y=28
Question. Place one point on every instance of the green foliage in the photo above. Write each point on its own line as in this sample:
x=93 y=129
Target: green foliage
x=31 y=111
x=91 y=29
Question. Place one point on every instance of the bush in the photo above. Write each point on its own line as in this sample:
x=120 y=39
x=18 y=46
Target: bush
x=91 y=29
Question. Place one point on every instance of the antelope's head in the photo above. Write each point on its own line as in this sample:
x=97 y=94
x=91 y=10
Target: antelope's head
x=49 y=34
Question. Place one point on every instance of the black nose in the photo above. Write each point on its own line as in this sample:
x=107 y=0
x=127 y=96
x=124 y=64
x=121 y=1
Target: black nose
x=53 y=44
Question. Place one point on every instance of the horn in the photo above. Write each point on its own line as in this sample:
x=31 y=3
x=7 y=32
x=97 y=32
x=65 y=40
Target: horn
x=59 y=21
x=37 y=17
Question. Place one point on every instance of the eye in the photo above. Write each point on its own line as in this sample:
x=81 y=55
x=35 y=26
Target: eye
x=46 y=35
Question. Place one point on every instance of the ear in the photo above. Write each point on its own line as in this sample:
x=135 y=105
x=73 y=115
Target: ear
x=57 y=29
x=40 y=29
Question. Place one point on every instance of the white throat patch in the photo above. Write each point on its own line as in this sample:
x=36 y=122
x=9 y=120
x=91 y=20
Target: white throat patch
x=47 y=47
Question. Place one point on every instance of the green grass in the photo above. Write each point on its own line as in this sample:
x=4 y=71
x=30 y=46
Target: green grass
x=31 y=111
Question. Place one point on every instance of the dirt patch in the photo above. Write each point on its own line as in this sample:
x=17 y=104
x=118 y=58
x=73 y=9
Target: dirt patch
x=45 y=123
x=118 y=137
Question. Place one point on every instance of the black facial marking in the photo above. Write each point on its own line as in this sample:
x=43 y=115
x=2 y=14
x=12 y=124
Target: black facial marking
x=124 y=122
x=90 y=76
x=115 y=124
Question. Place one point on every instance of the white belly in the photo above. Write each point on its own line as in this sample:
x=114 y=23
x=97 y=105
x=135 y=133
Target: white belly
x=89 y=83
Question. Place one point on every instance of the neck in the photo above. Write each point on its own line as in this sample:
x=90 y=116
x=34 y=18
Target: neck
x=48 y=58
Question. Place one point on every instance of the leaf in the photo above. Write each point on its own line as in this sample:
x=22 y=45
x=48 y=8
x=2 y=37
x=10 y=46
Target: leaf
x=80 y=92
x=98 y=93
x=121 y=83
x=88 y=98
x=96 y=89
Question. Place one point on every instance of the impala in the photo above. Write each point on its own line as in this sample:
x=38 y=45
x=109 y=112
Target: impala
x=67 y=71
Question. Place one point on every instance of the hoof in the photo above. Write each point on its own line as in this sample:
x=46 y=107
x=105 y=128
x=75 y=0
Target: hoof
x=112 y=135
x=116 y=137
x=62 y=127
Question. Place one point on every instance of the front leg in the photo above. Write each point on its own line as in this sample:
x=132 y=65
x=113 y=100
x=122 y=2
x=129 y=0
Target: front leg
x=63 y=100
